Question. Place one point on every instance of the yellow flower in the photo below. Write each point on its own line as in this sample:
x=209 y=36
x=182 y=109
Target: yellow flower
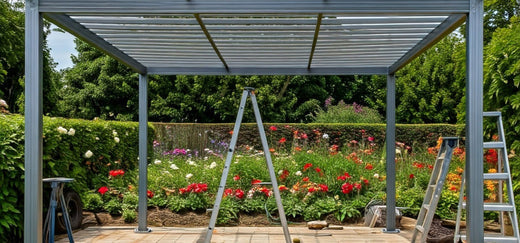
x=492 y=170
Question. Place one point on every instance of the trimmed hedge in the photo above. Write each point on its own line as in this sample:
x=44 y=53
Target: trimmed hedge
x=65 y=143
x=200 y=136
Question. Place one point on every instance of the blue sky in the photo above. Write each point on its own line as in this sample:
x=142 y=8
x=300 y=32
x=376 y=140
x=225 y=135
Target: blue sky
x=62 y=47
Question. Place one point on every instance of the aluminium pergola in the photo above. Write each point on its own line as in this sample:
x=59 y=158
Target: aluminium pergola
x=265 y=37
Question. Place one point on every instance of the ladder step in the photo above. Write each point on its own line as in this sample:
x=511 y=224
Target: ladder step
x=426 y=206
x=493 y=238
x=209 y=210
x=501 y=207
x=494 y=145
x=419 y=228
x=492 y=113
x=265 y=183
x=496 y=176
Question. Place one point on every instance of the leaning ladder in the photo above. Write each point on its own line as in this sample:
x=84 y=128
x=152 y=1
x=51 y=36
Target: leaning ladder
x=248 y=92
x=503 y=175
x=434 y=190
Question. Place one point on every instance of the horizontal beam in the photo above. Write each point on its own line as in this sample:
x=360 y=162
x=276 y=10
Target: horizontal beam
x=267 y=71
x=445 y=28
x=73 y=27
x=255 y=6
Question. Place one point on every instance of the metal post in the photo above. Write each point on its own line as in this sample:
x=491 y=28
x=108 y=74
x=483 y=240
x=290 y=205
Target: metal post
x=33 y=209
x=390 y=155
x=474 y=127
x=143 y=154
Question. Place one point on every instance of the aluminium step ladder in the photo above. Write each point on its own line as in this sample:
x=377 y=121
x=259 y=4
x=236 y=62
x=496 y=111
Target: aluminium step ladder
x=502 y=176
x=248 y=92
x=434 y=190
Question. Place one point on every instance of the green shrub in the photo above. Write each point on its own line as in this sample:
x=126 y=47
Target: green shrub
x=228 y=212
x=130 y=201
x=177 y=204
x=344 y=113
x=320 y=207
x=93 y=202
x=129 y=215
x=114 y=207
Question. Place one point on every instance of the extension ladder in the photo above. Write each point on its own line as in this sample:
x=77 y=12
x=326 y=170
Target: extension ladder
x=248 y=92
x=503 y=175
x=434 y=190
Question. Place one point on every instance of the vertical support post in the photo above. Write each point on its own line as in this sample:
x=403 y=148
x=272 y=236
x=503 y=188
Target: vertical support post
x=33 y=209
x=474 y=128
x=143 y=154
x=390 y=155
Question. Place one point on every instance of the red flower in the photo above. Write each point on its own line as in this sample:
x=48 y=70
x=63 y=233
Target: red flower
x=231 y=132
x=236 y=177
x=273 y=128
x=115 y=173
x=282 y=140
x=317 y=169
x=369 y=167
x=304 y=136
x=228 y=192
x=342 y=178
x=371 y=139
x=430 y=167
x=357 y=186
x=307 y=166
x=298 y=149
x=491 y=156
x=305 y=179
x=347 y=175
x=182 y=190
x=365 y=181
x=282 y=188
x=323 y=187
x=102 y=190
x=347 y=188
x=239 y=193
x=255 y=181
x=311 y=189
x=411 y=176
x=149 y=194
x=271 y=150
x=266 y=191
x=284 y=175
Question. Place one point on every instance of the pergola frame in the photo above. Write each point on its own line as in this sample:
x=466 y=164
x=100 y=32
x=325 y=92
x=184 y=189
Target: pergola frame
x=268 y=37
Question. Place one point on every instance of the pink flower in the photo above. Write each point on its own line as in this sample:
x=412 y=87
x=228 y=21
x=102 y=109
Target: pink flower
x=236 y=177
x=102 y=190
x=273 y=128
x=371 y=139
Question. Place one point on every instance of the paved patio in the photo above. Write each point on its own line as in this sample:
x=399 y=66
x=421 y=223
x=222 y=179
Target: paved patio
x=234 y=234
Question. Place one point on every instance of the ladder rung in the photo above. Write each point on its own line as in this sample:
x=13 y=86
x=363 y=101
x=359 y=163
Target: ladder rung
x=494 y=145
x=419 y=228
x=502 y=207
x=265 y=183
x=492 y=113
x=496 y=176
x=497 y=238
x=209 y=210
x=426 y=206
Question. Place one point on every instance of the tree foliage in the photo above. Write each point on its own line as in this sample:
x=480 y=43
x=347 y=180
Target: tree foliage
x=502 y=78
x=12 y=61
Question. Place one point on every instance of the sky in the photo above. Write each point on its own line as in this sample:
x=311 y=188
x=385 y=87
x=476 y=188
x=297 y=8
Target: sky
x=62 y=47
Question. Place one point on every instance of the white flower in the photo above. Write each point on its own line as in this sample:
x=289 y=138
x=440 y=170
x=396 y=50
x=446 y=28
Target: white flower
x=188 y=176
x=325 y=136
x=88 y=154
x=116 y=139
x=376 y=176
x=157 y=162
x=166 y=172
x=114 y=133
x=97 y=139
x=280 y=172
x=298 y=173
x=206 y=150
x=62 y=130
x=3 y=103
x=72 y=132
x=205 y=157
x=213 y=165
x=397 y=151
x=174 y=167
x=336 y=197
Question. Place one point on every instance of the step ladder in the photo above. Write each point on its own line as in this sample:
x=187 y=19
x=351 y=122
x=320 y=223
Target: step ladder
x=502 y=176
x=248 y=92
x=434 y=190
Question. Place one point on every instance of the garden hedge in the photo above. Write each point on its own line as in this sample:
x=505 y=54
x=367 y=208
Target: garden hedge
x=200 y=136
x=114 y=145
